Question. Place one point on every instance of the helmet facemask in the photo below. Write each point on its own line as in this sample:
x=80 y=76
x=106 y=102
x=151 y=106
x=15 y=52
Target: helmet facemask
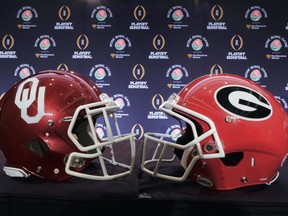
x=92 y=145
x=197 y=141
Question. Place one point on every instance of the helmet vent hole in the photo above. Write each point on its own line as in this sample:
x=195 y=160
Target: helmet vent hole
x=232 y=159
x=38 y=147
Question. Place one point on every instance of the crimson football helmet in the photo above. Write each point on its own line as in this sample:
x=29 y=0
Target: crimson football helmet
x=234 y=133
x=49 y=125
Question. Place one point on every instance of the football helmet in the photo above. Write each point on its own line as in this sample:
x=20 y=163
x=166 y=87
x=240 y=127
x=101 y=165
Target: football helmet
x=49 y=125
x=233 y=133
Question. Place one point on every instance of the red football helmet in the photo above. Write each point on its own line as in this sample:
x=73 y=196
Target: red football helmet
x=234 y=133
x=48 y=128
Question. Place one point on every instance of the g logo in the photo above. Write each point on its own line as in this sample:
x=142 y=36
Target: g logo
x=243 y=102
x=26 y=96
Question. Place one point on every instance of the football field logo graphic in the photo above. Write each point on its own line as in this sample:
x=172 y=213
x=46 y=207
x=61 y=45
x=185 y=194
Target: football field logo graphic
x=243 y=103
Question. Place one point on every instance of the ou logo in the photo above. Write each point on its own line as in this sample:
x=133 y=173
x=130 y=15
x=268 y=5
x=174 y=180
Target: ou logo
x=244 y=103
x=26 y=96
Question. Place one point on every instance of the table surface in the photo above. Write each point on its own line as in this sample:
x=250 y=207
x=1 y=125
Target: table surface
x=18 y=193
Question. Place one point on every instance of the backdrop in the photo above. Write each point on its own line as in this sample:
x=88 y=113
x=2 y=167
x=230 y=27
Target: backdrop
x=139 y=52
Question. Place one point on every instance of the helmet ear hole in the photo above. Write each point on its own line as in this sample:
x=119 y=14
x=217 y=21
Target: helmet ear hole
x=38 y=147
x=83 y=132
x=187 y=136
x=232 y=159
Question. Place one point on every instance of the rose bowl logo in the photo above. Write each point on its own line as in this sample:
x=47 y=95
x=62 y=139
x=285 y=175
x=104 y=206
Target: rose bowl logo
x=44 y=44
x=120 y=44
x=276 y=45
x=120 y=102
x=197 y=44
x=255 y=75
x=175 y=132
x=177 y=74
x=101 y=131
x=27 y=15
x=255 y=15
x=100 y=73
x=24 y=72
x=101 y=15
x=177 y=15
